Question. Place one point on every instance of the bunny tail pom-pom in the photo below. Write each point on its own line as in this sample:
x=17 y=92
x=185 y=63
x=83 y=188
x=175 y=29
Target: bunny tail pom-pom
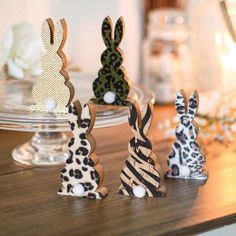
x=78 y=190
x=139 y=191
x=184 y=171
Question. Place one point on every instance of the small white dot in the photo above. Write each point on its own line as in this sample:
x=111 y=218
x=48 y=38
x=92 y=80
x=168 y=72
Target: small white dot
x=184 y=171
x=50 y=104
x=139 y=191
x=109 y=97
x=78 y=190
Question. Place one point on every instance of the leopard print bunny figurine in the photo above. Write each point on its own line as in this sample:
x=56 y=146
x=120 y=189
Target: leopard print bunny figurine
x=112 y=85
x=186 y=159
x=83 y=175
x=141 y=174
x=53 y=92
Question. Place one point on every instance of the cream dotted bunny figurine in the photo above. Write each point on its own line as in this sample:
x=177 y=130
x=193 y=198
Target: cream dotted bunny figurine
x=141 y=174
x=83 y=175
x=53 y=92
x=186 y=159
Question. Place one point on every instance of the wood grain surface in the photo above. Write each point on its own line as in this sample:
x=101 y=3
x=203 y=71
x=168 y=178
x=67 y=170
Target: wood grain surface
x=29 y=204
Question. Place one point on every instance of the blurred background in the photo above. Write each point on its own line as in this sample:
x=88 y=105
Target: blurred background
x=168 y=44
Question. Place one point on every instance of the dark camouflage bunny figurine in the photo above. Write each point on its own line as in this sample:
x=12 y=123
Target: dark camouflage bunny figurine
x=186 y=160
x=141 y=174
x=83 y=175
x=112 y=86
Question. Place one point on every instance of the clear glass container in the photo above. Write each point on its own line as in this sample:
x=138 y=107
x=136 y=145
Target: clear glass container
x=166 y=63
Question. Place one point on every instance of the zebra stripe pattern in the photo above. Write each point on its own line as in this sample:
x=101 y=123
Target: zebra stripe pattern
x=140 y=167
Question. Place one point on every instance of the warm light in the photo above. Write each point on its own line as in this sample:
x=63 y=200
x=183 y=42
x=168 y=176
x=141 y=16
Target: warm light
x=228 y=57
x=226 y=50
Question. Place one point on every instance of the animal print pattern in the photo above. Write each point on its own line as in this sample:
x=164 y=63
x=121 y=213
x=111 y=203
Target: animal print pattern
x=53 y=83
x=111 y=77
x=82 y=165
x=141 y=167
x=186 y=159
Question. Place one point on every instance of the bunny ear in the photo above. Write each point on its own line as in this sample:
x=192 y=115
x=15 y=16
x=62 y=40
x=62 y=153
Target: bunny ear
x=76 y=110
x=88 y=115
x=60 y=34
x=107 y=31
x=180 y=103
x=134 y=116
x=47 y=33
x=193 y=104
x=147 y=117
x=119 y=28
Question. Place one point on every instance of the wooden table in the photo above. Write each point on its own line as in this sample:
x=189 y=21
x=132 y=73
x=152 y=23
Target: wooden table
x=29 y=204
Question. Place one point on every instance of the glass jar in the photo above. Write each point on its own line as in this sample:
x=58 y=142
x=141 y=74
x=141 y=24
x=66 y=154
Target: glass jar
x=212 y=47
x=166 y=55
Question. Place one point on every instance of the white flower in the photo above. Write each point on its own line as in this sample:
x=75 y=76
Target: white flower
x=167 y=123
x=170 y=133
x=201 y=122
x=219 y=137
x=233 y=127
x=21 y=51
x=213 y=127
x=160 y=126
x=176 y=120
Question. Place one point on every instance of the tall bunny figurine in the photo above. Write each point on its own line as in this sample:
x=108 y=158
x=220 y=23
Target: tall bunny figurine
x=141 y=174
x=53 y=92
x=83 y=175
x=186 y=160
x=112 y=86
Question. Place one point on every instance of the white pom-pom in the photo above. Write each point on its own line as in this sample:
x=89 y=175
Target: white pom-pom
x=139 y=191
x=184 y=171
x=50 y=104
x=78 y=190
x=109 y=97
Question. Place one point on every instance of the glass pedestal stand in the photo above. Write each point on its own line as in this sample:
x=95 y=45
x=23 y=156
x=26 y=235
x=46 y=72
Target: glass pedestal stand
x=45 y=148
x=49 y=144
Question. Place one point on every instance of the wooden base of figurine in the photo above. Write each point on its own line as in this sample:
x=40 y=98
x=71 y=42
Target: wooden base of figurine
x=202 y=176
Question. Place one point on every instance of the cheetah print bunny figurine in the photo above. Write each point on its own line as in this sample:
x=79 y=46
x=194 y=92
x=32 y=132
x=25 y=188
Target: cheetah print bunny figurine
x=141 y=174
x=53 y=92
x=112 y=85
x=83 y=175
x=186 y=160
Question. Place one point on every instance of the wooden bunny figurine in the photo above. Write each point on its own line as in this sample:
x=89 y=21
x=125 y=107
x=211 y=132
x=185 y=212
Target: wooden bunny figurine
x=186 y=160
x=83 y=175
x=141 y=174
x=112 y=86
x=53 y=92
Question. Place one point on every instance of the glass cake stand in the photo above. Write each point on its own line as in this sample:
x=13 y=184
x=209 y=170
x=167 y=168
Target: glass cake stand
x=48 y=146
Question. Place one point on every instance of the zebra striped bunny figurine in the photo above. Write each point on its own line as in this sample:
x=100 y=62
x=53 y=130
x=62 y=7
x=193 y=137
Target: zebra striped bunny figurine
x=83 y=175
x=186 y=160
x=141 y=174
